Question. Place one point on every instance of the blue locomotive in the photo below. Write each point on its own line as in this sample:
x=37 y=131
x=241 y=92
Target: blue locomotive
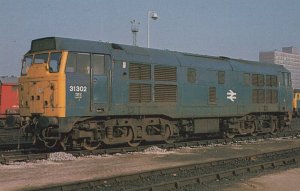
x=81 y=93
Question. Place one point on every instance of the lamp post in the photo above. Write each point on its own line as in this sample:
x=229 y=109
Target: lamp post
x=153 y=15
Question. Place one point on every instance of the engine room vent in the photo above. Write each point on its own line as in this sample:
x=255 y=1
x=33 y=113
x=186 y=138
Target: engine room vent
x=139 y=93
x=165 y=93
x=271 y=96
x=212 y=95
x=258 y=96
x=139 y=71
x=258 y=80
x=165 y=73
x=271 y=81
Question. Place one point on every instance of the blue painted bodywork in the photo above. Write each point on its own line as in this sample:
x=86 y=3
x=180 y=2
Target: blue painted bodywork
x=108 y=94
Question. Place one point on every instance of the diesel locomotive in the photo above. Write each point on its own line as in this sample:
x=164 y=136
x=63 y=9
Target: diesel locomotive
x=80 y=93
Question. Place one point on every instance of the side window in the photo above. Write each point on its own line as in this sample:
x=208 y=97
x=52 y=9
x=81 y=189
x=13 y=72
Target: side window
x=221 y=77
x=98 y=64
x=54 y=62
x=83 y=63
x=191 y=75
x=71 y=63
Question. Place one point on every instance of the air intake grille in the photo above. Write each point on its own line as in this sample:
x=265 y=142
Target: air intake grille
x=139 y=71
x=139 y=93
x=258 y=96
x=271 y=81
x=258 y=80
x=212 y=95
x=271 y=96
x=165 y=93
x=165 y=73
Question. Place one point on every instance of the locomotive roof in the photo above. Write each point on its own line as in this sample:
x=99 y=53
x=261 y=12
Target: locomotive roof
x=149 y=55
x=8 y=80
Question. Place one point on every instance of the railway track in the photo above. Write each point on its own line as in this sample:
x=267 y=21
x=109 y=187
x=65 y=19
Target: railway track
x=9 y=157
x=201 y=176
x=11 y=140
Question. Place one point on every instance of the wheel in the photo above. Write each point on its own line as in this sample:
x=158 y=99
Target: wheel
x=253 y=130
x=49 y=143
x=254 y=133
x=229 y=135
x=132 y=142
x=273 y=127
x=90 y=145
x=168 y=135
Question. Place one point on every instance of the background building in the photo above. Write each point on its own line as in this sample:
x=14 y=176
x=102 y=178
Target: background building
x=288 y=57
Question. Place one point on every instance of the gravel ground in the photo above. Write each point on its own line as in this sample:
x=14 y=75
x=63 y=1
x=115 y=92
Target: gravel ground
x=63 y=168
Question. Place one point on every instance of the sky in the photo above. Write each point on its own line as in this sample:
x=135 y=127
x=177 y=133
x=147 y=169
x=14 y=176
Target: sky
x=231 y=28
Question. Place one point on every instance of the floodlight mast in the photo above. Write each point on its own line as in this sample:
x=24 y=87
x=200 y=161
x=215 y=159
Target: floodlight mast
x=134 y=30
x=154 y=16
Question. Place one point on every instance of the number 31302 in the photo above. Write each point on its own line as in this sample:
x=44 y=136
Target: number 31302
x=78 y=88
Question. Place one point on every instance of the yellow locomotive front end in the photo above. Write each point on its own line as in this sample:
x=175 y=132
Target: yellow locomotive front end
x=42 y=84
x=42 y=93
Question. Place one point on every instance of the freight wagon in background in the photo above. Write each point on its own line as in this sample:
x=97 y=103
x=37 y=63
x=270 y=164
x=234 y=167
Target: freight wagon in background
x=9 y=101
x=77 y=93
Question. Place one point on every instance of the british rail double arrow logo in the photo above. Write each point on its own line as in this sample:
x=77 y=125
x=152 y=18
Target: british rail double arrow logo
x=231 y=95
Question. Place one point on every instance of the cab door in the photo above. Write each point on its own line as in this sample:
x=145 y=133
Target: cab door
x=99 y=83
x=78 y=75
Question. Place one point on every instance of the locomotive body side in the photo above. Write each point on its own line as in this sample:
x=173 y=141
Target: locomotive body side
x=110 y=93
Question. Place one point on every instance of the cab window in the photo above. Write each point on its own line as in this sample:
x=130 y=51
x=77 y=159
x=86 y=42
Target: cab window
x=27 y=61
x=54 y=62
x=71 y=63
x=98 y=64
x=83 y=63
x=41 y=58
x=78 y=62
